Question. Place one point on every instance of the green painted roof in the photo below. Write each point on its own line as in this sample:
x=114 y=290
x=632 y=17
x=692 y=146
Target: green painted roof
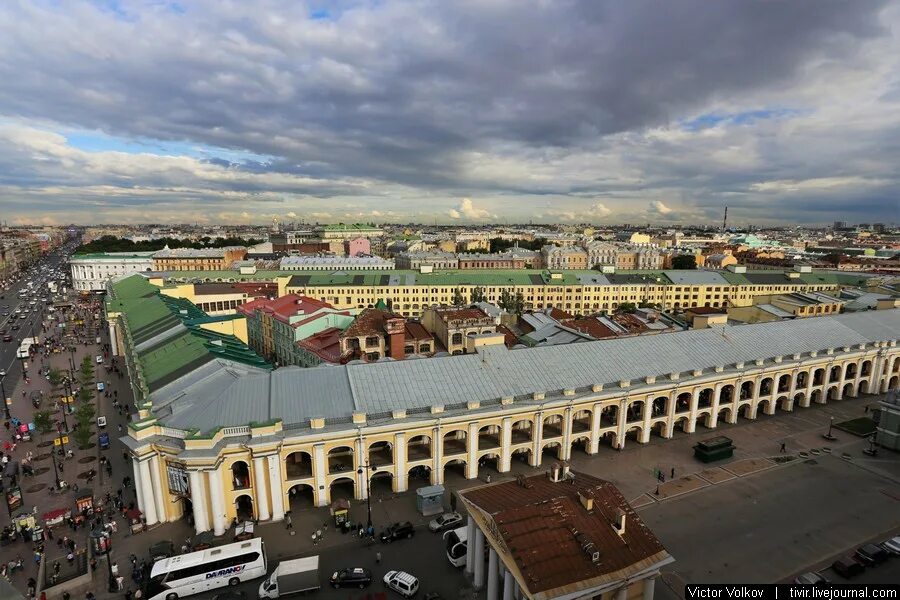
x=169 y=331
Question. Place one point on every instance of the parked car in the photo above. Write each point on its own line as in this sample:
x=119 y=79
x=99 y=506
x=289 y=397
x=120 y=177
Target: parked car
x=450 y=520
x=355 y=577
x=402 y=582
x=810 y=579
x=871 y=555
x=892 y=545
x=103 y=439
x=397 y=531
x=847 y=567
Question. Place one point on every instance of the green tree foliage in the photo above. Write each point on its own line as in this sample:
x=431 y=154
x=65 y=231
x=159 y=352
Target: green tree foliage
x=478 y=294
x=55 y=376
x=512 y=302
x=84 y=416
x=458 y=298
x=43 y=422
x=110 y=243
x=684 y=261
x=627 y=307
x=501 y=245
x=87 y=371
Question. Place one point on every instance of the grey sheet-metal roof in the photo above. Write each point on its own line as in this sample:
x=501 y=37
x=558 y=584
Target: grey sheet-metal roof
x=592 y=279
x=295 y=395
x=774 y=310
x=696 y=278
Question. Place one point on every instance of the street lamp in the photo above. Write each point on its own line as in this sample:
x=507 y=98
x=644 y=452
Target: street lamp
x=368 y=492
x=62 y=440
x=102 y=544
x=828 y=435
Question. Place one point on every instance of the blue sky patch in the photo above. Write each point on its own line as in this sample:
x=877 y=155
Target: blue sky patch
x=98 y=142
x=748 y=117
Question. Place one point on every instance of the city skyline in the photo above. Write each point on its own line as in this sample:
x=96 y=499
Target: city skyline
x=206 y=113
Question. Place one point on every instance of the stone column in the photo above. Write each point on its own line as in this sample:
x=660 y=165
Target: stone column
x=147 y=492
x=645 y=422
x=505 y=444
x=492 y=575
x=138 y=493
x=809 y=385
x=716 y=399
x=276 y=487
x=538 y=429
x=198 y=502
x=508 y=587
x=594 y=444
x=361 y=458
x=158 y=495
x=217 y=500
x=649 y=586
x=261 y=488
x=692 y=411
x=621 y=422
x=400 y=474
x=670 y=413
x=113 y=339
x=472 y=448
x=470 y=546
x=437 y=454
x=792 y=389
x=479 y=559
x=320 y=473
x=622 y=593
x=565 y=451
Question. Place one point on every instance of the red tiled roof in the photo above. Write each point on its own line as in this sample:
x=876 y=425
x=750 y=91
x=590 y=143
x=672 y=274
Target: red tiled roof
x=545 y=527
x=509 y=338
x=369 y=322
x=415 y=331
x=460 y=314
x=326 y=344
x=558 y=314
x=285 y=307
x=590 y=326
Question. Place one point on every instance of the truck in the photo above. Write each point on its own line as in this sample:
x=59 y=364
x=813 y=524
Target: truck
x=291 y=577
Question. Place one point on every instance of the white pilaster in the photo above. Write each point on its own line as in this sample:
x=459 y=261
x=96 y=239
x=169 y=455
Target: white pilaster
x=400 y=472
x=492 y=575
x=566 y=448
x=437 y=453
x=692 y=411
x=320 y=472
x=158 y=496
x=198 y=502
x=147 y=492
x=716 y=400
x=538 y=439
x=470 y=547
x=649 y=587
x=276 y=487
x=594 y=444
x=472 y=447
x=217 y=501
x=505 y=444
x=478 y=559
x=621 y=422
x=508 y=587
x=138 y=493
x=261 y=488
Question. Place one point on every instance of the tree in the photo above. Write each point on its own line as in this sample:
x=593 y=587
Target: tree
x=85 y=394
x=43 y=422
x=478 y=294
x=684 y=261
x=458 y=298
x=84 y=417
x=55 y=376
x=87 y=371
x=512 y=302
x=627 y=307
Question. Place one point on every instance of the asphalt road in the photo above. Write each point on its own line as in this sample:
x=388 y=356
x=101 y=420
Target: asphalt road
x=770 y=526
x=27 y=326
x=422 y=556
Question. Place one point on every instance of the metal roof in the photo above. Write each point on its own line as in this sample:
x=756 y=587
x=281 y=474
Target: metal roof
x=688 y=277
x=335 y=392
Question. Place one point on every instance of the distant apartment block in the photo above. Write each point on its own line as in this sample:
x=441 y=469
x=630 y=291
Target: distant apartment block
x=451 y=325
x=91 y=272
x=190 y=259
x=336 y=263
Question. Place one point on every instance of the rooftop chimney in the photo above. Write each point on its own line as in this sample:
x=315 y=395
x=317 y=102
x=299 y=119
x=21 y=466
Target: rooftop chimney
x=619 y=525
x=396 y=331
x=586 y=501
x=556 y=473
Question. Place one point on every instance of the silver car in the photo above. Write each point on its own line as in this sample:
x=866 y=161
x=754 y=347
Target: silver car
x=450 y=520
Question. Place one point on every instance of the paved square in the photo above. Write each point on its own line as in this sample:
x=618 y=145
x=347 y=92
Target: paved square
x=716 y=475
x=748 y=466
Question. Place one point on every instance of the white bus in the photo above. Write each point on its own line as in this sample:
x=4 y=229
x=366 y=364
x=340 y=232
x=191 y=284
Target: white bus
x=24 y=350
x=197 y=572
x=455 y=541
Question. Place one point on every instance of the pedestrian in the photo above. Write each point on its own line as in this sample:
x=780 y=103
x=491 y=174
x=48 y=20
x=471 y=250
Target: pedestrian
x=315 y=540
x=288 y=522
x=378 y=558
x=672 y=475
x=783 y=449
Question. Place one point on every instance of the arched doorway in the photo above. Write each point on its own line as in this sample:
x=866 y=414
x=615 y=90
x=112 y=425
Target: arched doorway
x=658 y=429
x=418 y=448
x=301 y=497
x=489 y=463
x=381 y=454
x=343 y=488
x=522 y=455
x=243 y=505
x=522 y=432
x=381 y=485
x=455 y=471
x=848 y=391
x=489 y=437
x=340 y=460
x=455 y=442
x=609 y=416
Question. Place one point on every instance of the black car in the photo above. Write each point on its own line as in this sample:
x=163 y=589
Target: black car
x=397 y=531
x=357 y=577
x=847 y=567
x=871 y=555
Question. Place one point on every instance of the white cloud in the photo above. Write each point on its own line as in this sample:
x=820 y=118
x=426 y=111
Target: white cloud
x=468 y=210
x=658 y=207
x=600 y=210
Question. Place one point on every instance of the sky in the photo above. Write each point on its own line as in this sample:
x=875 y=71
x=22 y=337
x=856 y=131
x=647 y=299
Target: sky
x=470 y=111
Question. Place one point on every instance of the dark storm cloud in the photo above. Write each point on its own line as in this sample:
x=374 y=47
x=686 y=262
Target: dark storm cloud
x=418 y=94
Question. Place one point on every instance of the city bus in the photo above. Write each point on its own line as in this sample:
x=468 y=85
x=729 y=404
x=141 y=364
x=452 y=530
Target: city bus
x=455 y=542
x=24 y=350
x=196 y=572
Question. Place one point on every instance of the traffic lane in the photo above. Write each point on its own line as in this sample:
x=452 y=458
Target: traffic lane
x=422 y=556
x=800 y=513
x=887 y=572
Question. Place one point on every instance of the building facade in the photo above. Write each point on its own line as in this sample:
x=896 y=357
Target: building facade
x=91 y=272
x=191 y=259
x=452 y=326
x=564 y=257
x=262 y=452
x=335 y=263
x=435 y=260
